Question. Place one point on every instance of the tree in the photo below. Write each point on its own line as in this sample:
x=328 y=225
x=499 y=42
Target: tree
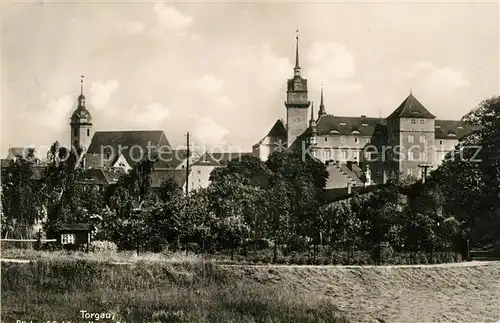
x=22 y=203
x=470 y=176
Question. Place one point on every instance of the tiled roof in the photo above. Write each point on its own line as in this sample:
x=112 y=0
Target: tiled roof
x=101 y=176
x=366 y=126
x=111 y=142
x=158 y=176
x=411 y=108
x=339 y=175
x=99 y=160
x=452 y=129
x=224 y=157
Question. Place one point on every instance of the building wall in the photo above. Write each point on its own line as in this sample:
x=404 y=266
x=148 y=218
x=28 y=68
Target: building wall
x=443 y=146
x=199 y=176
x=341 y=147
x=297 y=123
x=82 y=134
x=417 y=145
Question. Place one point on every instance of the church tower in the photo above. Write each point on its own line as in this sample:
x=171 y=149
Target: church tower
x=81 y=123
x=296 y=102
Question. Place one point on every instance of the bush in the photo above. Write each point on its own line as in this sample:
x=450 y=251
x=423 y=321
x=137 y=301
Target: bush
x=103 y=247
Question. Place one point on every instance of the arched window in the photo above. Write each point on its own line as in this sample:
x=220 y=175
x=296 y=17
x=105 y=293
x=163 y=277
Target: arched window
x=88 y=132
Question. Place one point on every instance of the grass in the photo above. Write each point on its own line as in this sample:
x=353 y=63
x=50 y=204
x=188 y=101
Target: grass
x=57 y=288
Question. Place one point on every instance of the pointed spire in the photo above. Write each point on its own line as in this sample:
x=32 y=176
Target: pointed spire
x=322 y=110
x=296 y=69
x=312 y=112
x=81 y=84
x=81 y=98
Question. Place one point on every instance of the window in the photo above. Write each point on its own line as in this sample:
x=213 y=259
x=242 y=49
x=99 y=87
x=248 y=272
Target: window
x=326 y=139
x=368 y=155
x=88 y=132
x=344 y=154
x=440 y=142
x=413 y=121
x=422 y=121
x=423 y=156
x=413 y=155
x=67 y=239
x=75 y=131
x=410 y=171
x=328 y=154
x=410 y=138
x=422 y=138
x=356 y=139
x=356 y=155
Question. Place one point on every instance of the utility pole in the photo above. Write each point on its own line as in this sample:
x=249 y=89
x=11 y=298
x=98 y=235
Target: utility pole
x=424 y=169
x=188 y=153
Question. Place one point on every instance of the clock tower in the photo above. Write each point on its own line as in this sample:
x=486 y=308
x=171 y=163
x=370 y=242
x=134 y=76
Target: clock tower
x=296 y=102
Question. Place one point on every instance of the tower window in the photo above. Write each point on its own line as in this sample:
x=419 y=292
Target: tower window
x=413 y=121
x=88 y=132
x=326 y=139
x=356 y=139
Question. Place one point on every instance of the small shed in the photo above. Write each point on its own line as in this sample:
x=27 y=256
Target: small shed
x=71 y=236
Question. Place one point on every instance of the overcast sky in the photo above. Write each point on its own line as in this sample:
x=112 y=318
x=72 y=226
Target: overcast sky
x=219 y=70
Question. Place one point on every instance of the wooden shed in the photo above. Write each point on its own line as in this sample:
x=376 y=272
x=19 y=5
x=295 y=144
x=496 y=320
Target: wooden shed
x=72 y=236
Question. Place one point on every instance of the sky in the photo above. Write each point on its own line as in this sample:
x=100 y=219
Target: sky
x=219 y=69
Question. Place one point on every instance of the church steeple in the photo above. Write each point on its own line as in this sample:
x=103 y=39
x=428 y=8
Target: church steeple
x=322 y=110
x=81 y=97
x=296 y=69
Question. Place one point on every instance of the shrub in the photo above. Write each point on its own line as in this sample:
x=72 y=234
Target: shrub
x=103 y=247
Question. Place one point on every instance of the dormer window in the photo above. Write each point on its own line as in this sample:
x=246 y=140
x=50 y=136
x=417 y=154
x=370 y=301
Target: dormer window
x=342 y=123
x=451 y=134
x=355 y=132
x=364 y=124
x=438 y=127
x=460 y=127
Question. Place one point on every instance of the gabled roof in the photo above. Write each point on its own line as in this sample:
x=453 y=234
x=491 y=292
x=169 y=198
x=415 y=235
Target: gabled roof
x=366 y=126
x=278 y=131
x=452 y=129
x=143 y=142
x=158 y=176
x=207 y=159
x=411 y=108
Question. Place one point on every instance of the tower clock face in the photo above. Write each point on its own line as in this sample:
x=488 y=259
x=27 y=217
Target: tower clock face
x=298 y=86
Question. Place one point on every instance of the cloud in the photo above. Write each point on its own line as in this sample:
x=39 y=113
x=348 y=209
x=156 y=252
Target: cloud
x=101 y=93
x=331 y=59
x=170 y=17
x=55 y=115
x=333 y=66
x=206 y=84
x=135 y=27
x=151 y=116
x=208 y=132
x=439 y=80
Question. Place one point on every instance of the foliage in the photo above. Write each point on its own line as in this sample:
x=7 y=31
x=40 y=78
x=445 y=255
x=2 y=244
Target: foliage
x=102 y=246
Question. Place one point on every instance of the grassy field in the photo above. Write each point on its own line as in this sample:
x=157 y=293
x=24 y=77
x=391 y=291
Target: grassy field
x=177 y=288
x=58 y=289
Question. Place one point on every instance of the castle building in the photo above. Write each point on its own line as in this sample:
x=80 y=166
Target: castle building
x=367 y=148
